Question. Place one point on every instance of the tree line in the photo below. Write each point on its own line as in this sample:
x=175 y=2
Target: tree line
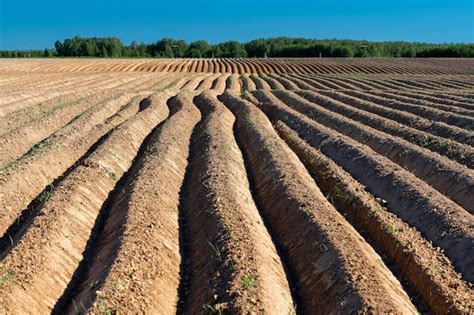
x=112 y=47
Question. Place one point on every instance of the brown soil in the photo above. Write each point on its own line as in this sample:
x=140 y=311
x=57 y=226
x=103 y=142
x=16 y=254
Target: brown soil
x=66 y=219
x=110 y=207
x=231 y=266
x=448 y=226
x=459 y=152
x=296 y=210
x=426 y=270
x=150 y=194
x=448 y=177
x=414 y=121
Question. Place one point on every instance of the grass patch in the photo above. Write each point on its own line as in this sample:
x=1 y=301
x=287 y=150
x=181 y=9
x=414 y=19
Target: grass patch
x=118 y=285
x=7 y=165
x=40 y=147
x=153 y=148
x=102 y=305
x=169 y=85
x=344 y=196
x=248 y=282
x=446 y=146
x=7 y=277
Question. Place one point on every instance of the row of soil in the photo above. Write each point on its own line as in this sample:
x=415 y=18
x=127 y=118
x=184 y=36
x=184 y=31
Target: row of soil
x=233 y=83
x=423 y=269
x=135 y=262
x=23 y=180
x=461 y=153
x=460 y=108
x=464 y=96
x=38 y=111
x=53 y=92
x=452 y=119
x=29 y=84
x=319 y=83
x=353 y=83
x=287 y=84
x=230 y=265
x=22 y=95
x=447 y=176
x=436 y=128
x=330 y=266
x=45 y=258
x=439 y=220
x=239 y=65
x=18 y=142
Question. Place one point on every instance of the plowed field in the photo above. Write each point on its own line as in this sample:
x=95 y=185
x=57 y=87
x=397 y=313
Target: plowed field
x=236 y=186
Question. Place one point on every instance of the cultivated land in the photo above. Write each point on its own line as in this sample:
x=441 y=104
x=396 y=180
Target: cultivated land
x=279 y=186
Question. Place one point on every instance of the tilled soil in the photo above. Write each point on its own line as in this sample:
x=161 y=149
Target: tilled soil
x=236 y=186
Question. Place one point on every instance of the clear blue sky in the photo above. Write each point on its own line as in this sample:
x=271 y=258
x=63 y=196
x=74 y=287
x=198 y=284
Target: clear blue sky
x=28 y=24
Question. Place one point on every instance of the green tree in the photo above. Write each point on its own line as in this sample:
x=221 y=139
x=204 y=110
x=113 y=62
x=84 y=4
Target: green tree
x=104 y=52
x=198 y=49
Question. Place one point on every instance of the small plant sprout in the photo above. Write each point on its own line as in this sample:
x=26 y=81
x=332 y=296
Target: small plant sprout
x=308 y=213
x=110 y=175
x=248 y=282
x=343 y=302
x=209 y=309
x=46 y=194
x=216 y=252
x=393 y=229
x=7 y=277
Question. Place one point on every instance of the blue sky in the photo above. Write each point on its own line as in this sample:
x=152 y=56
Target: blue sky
x=29 y=24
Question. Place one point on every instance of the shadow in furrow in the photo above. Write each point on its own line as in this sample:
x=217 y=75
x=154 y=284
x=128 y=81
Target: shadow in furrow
x=117 y=202
x=252 y=184
x=21 y=224
x=184 y=200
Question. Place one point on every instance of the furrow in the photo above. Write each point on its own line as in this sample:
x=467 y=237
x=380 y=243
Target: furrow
x=426 y=270
x=333 y=268
x=230 y=265
x=461 y=153
x=146 y=204
x=45 y=258
x=448 y=177
x=453 y=119
x=439 y=220
x=436 y=128
x=21 y=181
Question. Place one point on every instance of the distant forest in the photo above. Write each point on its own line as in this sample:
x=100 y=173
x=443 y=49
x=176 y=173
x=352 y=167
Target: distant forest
x=112 y=47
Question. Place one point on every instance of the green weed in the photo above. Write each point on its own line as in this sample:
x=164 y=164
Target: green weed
x=216 y=252
x=248 y=282
x=111 y=175
x=392 y=229
x=102 y=305
x=7 y=277
x=308 y=213
x=7 y=165
x=40 y=147
x=343 y=302
x=46 y=194
x=208 y=308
